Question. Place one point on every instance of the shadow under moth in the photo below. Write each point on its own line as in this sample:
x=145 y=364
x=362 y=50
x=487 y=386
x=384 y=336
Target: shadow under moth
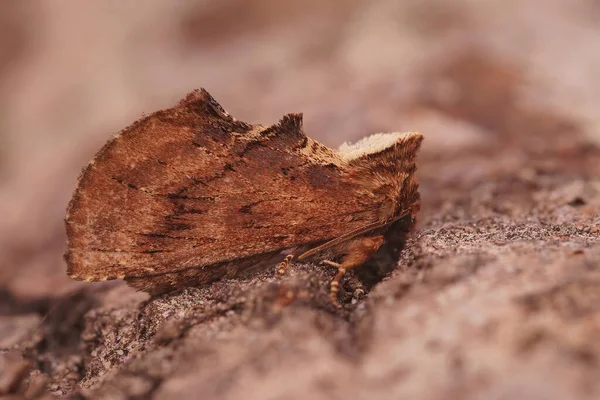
x=189 y=195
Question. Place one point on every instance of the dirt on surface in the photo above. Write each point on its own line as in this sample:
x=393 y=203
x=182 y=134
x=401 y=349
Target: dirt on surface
x=496 y=294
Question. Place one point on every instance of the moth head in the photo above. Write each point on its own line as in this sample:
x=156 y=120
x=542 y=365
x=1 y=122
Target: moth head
x=384 y=166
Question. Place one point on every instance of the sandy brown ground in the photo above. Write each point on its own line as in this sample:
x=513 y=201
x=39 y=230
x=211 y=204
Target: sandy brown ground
x=496 y=295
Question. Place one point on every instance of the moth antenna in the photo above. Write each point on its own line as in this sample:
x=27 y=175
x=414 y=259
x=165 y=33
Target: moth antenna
x=349 y=236
x=342 y=239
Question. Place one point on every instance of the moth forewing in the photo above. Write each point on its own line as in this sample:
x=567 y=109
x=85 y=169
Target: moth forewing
x=189 y=195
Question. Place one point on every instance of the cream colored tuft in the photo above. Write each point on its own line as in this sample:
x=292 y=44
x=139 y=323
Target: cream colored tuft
x=372 y=144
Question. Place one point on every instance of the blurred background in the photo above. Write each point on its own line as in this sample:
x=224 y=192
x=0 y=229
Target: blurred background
x=467 y=73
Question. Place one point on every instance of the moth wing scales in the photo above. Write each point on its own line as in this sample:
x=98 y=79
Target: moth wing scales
x=177 y=224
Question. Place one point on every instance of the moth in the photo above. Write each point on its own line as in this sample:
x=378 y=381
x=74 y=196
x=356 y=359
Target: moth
x=190 y=195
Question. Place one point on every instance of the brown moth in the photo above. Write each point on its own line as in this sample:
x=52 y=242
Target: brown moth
x=190 y=195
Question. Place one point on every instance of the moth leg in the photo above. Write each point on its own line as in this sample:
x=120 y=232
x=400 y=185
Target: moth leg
x=334 y=287
x=284 y=264
x=357 y=252
x=333 y=264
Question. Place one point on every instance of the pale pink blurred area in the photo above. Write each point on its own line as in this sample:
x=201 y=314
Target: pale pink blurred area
x=464 y=73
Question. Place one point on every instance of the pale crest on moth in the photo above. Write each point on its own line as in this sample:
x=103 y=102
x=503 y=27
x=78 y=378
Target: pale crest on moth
x=371 y=144
x=190 y=195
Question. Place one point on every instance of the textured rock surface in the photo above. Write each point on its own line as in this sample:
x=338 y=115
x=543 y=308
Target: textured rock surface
x=496 y=296
x=497 y=293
